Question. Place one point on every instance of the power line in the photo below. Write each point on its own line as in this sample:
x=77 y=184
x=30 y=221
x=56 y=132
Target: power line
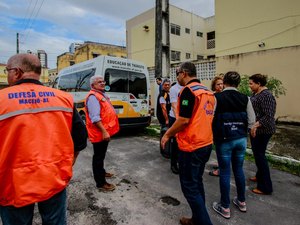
x=33 y=20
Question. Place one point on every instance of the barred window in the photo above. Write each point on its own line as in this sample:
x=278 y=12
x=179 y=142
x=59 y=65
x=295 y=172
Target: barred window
x=175 y=29
x=175 y=56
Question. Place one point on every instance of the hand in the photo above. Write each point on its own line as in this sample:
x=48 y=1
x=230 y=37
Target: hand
x=106 y=136
x=164 y=140
x=253 y=131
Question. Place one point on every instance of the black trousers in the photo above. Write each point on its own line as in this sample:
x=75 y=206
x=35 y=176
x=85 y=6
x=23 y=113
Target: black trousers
x=100 y=149
x=259 y=147
x=173 y=145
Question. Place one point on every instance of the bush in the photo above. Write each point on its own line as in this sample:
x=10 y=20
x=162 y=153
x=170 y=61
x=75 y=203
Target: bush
x=274 y=85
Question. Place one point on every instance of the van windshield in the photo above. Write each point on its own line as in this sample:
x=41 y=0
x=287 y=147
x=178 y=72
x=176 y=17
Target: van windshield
x=126 y=82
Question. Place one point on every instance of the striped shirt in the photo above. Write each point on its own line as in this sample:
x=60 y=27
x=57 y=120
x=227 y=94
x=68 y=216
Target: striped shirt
x=264 y=105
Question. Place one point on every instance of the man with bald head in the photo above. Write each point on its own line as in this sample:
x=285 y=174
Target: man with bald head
x=41 y=136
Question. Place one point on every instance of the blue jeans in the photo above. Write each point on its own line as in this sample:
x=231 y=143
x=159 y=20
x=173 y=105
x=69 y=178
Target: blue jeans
x=259 y=146
x=191 y=168
x=231 y=152
x=53 y=212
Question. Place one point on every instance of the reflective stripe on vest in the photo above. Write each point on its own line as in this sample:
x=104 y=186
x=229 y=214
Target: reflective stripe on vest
x=198 y=133
x=38 y=110
x=37 y=149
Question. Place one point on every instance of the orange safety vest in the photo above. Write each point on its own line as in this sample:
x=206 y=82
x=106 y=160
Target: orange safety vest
x=198 y=133
x=108 y=117
x=36 y=147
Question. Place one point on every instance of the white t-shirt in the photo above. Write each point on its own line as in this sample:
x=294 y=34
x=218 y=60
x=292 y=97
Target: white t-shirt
x=174 y=91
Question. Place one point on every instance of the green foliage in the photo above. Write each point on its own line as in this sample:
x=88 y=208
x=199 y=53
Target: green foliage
x=244 y=85
x=274 y=85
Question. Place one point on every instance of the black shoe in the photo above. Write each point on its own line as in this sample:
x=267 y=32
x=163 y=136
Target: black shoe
x=175 y=169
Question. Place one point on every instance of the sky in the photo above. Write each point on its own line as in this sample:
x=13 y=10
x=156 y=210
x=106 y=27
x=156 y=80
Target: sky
x=52 y=25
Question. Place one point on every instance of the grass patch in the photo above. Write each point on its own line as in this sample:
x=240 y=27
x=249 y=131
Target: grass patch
x=286 y=166
x=152 y=130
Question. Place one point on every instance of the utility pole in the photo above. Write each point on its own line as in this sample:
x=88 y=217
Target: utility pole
x=162 y=39
x=17 y=43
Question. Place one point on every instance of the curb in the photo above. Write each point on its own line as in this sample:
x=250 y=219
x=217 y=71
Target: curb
x=277 y=158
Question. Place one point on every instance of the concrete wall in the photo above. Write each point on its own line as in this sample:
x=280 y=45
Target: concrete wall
x=141 y=43
x=241 y=25
x=282 y=63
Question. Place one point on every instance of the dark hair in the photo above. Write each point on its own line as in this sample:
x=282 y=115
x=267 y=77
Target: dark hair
x=259 y=79
x=158 y=78
x=232 y=78
x=166 y=80
x=189 y=68
x=214 y=81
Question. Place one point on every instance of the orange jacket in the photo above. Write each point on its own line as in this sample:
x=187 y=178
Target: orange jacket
x=198 y=133
x=36 y=147
x=108 y=117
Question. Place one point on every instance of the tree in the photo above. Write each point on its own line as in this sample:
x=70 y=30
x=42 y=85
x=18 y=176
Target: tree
x=274 y=85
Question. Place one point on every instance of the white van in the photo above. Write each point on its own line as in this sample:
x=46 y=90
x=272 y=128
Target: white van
x=127 y=85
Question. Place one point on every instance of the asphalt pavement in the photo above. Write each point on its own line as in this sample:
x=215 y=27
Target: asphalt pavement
x=148 y=193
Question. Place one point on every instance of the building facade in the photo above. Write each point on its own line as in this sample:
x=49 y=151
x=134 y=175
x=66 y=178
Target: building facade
x=262 y=37
x=42 y=55
x=89 y=50
x=191 y=37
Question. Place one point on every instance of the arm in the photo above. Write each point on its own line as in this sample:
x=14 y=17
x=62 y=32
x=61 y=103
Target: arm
x=178 y=126
x=105 y=134
x=251 y=119
x=174 y=108
x=165 y=113
x=79 y=134
x=94 y=109
x=186 y=104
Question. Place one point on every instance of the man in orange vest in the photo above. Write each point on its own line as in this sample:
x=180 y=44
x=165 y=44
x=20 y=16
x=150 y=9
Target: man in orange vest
x=41 y=136
x=193 y=130
x=102 y=123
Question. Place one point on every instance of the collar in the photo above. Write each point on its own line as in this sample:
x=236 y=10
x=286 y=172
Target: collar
x=230 y=88
x=28 y=81
x=194 y=80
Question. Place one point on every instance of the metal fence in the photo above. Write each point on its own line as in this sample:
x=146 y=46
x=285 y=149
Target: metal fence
x=206 y=70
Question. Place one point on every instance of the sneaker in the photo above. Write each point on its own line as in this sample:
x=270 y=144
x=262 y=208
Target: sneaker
x=109 y=175
x=107 y=187
x=186 y=221
x=219 y=209
x=241 y=205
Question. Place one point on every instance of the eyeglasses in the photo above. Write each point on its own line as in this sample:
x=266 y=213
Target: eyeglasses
x=179 y=72
x=6 y=70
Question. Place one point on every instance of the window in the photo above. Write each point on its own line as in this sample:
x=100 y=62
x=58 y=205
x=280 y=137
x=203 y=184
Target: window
x=175 y=29
x=175 y=56
x=200 y=57
x=188 y=55
x=187 y=30
x=199 y=34
x=126 y=82
x=211 y=40
x=79 y=81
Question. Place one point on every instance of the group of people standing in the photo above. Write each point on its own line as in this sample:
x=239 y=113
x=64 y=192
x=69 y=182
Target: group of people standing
x=35 y=167
x=223 y=117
